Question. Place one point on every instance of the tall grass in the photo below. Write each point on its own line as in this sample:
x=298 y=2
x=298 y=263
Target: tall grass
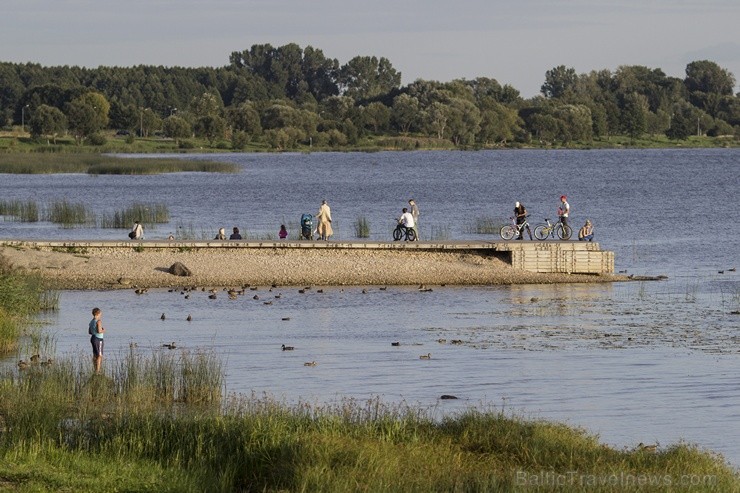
x=362 y=227
x=98 y=164
x=485 y=225
x=21 y=210
x=146 y=214
x=440 y=233
x=69 y=214
x=21 y=295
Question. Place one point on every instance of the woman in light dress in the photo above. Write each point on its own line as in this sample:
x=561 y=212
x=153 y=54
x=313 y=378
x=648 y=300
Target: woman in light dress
x=324 y=217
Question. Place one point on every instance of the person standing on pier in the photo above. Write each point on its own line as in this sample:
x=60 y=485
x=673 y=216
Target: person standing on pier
x=415 y=215
x=520 y=213
x=137 y=232
x=324 y=216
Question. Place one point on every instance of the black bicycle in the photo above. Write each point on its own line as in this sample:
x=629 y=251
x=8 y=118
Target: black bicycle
x=403 y=233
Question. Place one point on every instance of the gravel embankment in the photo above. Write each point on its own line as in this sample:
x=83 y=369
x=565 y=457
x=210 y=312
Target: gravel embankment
x=106 y=268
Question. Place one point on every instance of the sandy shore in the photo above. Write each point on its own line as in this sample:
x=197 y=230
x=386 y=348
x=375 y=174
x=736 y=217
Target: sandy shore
x=110 y=268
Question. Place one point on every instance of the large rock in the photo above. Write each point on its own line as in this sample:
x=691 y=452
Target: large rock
x=179 y=269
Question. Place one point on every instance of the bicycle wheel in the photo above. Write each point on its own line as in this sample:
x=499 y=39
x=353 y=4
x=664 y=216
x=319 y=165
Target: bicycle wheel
x=541 y=232
x=397 y=233
x=564 y=232
x=411 y=235
x=507 y=232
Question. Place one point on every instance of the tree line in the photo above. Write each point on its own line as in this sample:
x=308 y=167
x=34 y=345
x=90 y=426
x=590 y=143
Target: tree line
x=289 y=96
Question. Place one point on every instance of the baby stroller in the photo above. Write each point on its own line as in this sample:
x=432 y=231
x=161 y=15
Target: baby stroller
x=307 y=227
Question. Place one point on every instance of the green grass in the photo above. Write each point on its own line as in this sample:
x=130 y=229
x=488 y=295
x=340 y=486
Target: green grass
x=98 y=164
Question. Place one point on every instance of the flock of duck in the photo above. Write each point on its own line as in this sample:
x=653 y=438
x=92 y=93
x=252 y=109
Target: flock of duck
x=234 y=293
x=34 y=360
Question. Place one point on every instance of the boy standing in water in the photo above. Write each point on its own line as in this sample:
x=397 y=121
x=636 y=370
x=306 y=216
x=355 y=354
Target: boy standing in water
x=96 y=331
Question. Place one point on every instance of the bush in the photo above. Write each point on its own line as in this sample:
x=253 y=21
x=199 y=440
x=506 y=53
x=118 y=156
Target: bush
x=96 y=140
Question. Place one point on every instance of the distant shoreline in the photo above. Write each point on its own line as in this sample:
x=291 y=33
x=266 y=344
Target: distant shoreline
x=124 y=267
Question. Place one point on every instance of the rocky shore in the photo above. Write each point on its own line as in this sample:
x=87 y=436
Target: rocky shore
x=114 y=268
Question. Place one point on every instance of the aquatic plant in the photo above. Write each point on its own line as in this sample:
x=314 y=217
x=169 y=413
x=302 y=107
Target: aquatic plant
x=26 y=211
x=440 y=233
x=485 y=225
x=146 y=214
x=362 y=227
x=69 y=214
x=98 y=164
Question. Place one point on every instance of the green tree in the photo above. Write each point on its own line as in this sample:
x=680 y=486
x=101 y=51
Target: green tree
x=245 y=118
x=708 y=77
x=83 y=119
x=405 y=115
x=211 y=127
x=559 y=81
x=463 y=121
x=176 y=127
x=575 y=122
x=47 y=121
x=149 y=122
x=365 y=77
x=377 y=116
x=634 y=115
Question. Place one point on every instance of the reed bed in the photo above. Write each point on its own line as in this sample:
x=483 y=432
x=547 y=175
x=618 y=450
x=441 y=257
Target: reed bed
x=21 y=296
x=99 y=164
x=69 y=214
x=362 y=227
x=26 y=211
x=485 y=225
x=146 y=214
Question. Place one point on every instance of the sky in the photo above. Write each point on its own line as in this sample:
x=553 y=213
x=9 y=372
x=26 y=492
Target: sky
x=515 y=42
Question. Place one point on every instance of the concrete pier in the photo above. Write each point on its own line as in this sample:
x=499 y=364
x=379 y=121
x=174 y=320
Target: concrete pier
x=568 y=257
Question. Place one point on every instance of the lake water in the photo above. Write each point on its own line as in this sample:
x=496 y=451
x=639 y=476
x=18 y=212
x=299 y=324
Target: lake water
x=632 y=362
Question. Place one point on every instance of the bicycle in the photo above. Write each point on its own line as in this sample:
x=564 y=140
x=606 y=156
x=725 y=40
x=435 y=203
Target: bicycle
x=510 y=230
x=402 y=232
x=562 y=231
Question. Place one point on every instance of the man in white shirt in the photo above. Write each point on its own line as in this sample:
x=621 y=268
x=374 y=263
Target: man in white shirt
x=564 y=210
x=407 y=220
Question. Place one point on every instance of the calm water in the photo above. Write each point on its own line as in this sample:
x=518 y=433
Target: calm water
x=633 y=362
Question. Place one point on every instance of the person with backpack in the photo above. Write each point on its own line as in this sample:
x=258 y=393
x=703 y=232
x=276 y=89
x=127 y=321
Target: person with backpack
x=96 y=331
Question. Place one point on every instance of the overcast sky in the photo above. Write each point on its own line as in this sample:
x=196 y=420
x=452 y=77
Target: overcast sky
x=512 y=41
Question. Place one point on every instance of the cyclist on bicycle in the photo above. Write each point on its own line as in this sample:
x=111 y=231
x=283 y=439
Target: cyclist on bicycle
x=564 y=210
x=407 y=220
x=520 y=213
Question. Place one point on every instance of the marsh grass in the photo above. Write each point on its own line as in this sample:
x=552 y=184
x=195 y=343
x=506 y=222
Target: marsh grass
x=485 y=225
x=362 y=227
x=165 y=413
x=21 y=295
x=440 y=232
x=146 y=214
x=69 y=214
x=99 y=164
x=26 y=211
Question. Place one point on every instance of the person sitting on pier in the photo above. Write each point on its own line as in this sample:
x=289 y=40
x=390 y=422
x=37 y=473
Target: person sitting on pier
x=283 y=232
x=586 y=233
x=221 y=235
x=235 y=235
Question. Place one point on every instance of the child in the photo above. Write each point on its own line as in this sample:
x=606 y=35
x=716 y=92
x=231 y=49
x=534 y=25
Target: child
x=283 y=232
x=96 y=331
